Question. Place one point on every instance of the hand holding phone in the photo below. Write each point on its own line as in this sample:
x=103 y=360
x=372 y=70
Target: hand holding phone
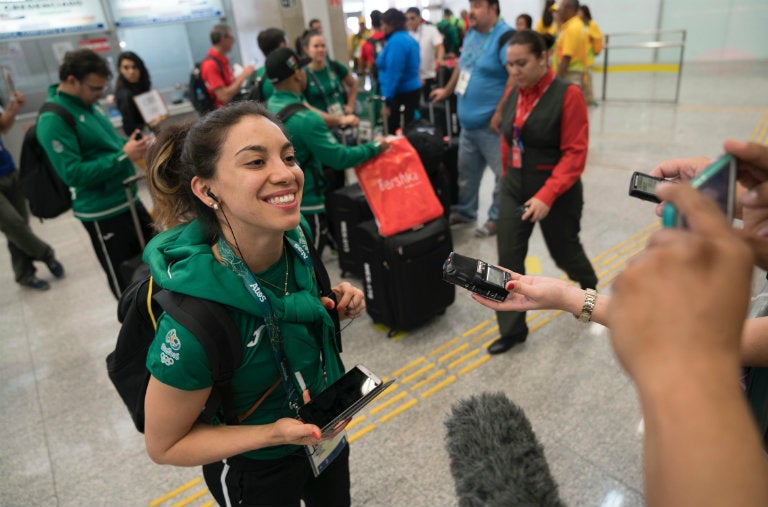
x=717 y=181
x=343 y=399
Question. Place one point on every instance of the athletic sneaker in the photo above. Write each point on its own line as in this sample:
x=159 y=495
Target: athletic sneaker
x=488 y=229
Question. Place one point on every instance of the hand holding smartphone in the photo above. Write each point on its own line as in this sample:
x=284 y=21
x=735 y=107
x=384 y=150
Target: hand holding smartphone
x=717 y=181
x=343 y=399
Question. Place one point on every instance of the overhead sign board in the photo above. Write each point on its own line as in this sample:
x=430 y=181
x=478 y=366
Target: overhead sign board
x=35 y=18
x=150 y=12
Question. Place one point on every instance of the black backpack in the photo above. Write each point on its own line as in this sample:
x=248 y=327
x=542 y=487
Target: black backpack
x=138 y=309
x=198 y=93
x=141 y=304
x=256 y=93
x=48 y=196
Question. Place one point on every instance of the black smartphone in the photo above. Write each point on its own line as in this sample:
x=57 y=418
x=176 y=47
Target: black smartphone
x=343 y=399
x=643 y=186
x=717 y=181
x=477 y=276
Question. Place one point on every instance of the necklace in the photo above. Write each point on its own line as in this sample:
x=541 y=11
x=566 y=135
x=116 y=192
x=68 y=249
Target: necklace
x=284 y=288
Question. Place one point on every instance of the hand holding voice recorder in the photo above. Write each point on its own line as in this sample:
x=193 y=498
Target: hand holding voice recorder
x=477 y=276
x=643 y=186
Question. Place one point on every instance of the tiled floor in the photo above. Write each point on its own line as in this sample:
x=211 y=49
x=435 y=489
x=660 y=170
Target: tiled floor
x=67 y=440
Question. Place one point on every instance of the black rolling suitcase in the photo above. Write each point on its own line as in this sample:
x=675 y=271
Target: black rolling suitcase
x=403 y=273
x=431 y=147
x=346 y=208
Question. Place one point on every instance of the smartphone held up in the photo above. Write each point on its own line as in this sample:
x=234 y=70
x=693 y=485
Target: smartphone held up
x=718 y=182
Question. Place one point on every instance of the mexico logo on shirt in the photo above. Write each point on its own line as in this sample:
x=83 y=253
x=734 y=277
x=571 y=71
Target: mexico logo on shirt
x=169 y=351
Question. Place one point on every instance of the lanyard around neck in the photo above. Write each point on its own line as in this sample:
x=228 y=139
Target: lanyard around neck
x=270 y=319
x=470 y=55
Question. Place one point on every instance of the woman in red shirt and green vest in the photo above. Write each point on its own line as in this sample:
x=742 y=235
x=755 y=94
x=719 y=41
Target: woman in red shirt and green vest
x=545 y=135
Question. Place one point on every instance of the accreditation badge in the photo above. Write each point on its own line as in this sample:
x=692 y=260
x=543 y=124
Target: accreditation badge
x=335 y=109
x=463 y=82
x=323 y=454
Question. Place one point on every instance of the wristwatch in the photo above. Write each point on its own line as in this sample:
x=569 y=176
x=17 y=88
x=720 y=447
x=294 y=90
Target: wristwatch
x=589 y=305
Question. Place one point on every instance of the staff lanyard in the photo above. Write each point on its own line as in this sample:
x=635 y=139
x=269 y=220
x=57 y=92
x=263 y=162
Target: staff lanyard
x=270 y=319
x=331 y=78
x=470 y=55
x=520 y=120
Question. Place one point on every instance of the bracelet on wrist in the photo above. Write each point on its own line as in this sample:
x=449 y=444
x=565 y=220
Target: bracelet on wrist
x=590 y=299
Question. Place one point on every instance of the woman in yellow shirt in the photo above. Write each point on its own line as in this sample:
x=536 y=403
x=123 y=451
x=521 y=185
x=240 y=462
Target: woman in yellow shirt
x=547 y=23
x=595 y=40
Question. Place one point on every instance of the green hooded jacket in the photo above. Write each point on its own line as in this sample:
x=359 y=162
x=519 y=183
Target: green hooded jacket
x=90 y=161
x=316 y=147
x=181 y=260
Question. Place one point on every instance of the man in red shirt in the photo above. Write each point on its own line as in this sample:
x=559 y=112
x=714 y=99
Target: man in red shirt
x=221 y=85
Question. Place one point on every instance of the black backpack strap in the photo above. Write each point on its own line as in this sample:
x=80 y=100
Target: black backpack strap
x=285 y=113
x=324 y=284
x=214 y=329
x=52 y=107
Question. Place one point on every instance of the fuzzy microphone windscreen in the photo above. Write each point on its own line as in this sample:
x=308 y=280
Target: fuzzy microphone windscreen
x=495 y=458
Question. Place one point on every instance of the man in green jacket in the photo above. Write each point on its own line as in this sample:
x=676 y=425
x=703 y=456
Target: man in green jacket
x=315 y=145
x=93 y=160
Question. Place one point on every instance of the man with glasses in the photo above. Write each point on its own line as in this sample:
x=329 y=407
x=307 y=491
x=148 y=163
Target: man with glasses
x=215 y=70
x=93 y=160
x=431 y=48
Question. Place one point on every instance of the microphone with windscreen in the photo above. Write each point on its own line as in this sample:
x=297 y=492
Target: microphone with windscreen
x=495 y=458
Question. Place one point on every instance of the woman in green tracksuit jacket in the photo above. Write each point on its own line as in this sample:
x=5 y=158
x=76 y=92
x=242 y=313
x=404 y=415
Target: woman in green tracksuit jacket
x=234 y=187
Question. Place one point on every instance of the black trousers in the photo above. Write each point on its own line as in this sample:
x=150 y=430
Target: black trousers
x=115 y=241
x=561 y=230
x=322 y=233
x=410 y=103
x=280 y=482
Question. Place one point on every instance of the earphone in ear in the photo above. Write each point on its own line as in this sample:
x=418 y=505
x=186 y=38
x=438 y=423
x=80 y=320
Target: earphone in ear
x=212 y=195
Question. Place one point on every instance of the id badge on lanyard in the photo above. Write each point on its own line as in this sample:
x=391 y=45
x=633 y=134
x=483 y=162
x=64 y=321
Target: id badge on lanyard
x=517 y=149
x=323 y=454
x=335 y=109
x=463 y=82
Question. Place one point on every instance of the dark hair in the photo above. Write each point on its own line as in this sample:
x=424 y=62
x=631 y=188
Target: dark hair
x=414 y=10
x=144 y=83
x=528 y=20
x=218 y=32
x=574 y=4
x=532 y=39
x=182 y=152
x=549 y=40
x=447 y=12
x=376 y=18
x=587 y=14
x=312 y=22
x=394 y=18
x=80 y=63
x=270 y=39
x=308 y=36
x=547 y=17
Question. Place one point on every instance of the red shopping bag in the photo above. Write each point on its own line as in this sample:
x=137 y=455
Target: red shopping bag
x=398 y=189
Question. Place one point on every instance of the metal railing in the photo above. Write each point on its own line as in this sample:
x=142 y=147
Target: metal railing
x=655 y=45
